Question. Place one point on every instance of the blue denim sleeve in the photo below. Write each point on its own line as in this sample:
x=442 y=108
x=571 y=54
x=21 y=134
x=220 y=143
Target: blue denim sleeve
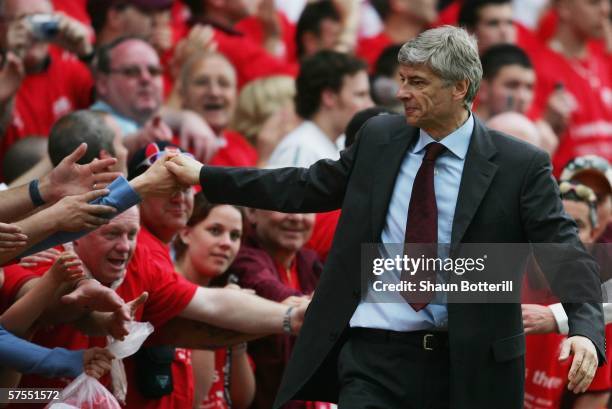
x=121 y=197
x=29 y=358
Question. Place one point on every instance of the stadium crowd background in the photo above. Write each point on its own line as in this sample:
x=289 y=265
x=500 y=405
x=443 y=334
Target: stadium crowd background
x=250 y=83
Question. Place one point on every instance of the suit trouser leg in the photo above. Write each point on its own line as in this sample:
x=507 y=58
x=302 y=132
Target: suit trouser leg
x=390 y=374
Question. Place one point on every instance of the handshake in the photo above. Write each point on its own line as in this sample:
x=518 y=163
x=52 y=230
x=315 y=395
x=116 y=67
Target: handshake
x=171 y=173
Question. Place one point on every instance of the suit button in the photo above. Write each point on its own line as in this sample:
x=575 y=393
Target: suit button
x=333 y=336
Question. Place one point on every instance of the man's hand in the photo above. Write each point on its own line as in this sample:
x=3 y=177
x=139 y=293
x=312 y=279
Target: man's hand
x=157 y=180
x=538 y=319
x=197 y=137
x=117 y=324
x=74 y=213
x=185 y=169
x=69 y=178
x=584 y=364
x=44 y=256
x=97 y=361
x=68 y=267
x=73 y=36
x=295 y=300
x=93 y=296
x=559 y=108
x=11 y=238
x=11 y=75
x=200 y=38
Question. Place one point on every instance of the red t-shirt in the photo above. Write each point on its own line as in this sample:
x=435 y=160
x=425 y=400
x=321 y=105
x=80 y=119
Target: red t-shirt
x=236 y=152
x=43 y=98
x=169 y=294
x=289 y=277
x=219 y=389
x=590 y=83
x=250 y=59
x=323 y=233
x=370 y=48
x=252 y=28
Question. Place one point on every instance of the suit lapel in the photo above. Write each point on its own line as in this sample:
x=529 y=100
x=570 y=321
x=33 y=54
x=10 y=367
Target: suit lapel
x=388 y=159
x=477 y=175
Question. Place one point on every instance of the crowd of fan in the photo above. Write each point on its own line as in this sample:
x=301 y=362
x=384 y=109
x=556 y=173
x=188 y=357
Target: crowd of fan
x=94 y=93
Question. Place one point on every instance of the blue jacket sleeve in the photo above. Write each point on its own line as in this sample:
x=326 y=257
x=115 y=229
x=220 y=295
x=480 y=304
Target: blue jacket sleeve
x=29 y=358
x=121 y=197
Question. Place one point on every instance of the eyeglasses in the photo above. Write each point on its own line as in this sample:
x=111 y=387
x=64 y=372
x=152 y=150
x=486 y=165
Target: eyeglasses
x=136 y=71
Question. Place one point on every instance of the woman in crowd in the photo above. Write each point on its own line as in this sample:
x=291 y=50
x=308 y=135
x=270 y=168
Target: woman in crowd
x=204 y=250
x=207 y=86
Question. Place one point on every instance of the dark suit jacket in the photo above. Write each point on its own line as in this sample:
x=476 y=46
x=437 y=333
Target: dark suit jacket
x=506 y=195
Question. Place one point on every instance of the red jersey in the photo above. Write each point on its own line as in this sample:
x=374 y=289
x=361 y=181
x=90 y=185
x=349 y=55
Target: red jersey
x=250 y=59
x=169 y=294
x=370 y=48
x=323 y=233
x=76 y=9
x=236 y=152
x=64 y=86
x=589 y=82
x=220 y=388
x=252 y=28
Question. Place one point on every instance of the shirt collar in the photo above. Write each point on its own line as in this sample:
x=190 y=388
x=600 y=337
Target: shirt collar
x=457 y=141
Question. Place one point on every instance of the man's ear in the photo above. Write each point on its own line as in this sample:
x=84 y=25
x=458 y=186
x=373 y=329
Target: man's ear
x=102 y=84
x=104 y=154
x=310 y=43
x=460 y=89
x=185 y=235
x=329 y=98
x=251 y=215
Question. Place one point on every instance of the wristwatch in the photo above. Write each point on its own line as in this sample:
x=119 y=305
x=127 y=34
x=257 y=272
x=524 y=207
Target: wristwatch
x=287 y=321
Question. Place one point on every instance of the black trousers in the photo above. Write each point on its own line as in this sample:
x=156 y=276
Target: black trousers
x=390 y=370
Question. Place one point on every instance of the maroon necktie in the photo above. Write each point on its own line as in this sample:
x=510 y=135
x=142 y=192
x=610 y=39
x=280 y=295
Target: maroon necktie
x=422 y=224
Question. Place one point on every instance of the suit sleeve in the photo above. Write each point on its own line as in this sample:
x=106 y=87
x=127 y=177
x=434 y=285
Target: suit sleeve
x=572 y=273
x=319 y=188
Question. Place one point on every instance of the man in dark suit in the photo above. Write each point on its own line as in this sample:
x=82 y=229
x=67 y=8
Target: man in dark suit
x=442 y=178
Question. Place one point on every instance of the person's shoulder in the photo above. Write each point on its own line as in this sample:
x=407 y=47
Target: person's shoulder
x=380 y=125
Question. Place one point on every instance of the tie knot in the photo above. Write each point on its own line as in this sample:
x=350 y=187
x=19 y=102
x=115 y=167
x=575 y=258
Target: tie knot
x=433 y=150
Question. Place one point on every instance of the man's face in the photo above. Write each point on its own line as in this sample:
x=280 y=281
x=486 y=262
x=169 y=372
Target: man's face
x=134 y=86
x=327 y=38
x=15 y=9
x=282 y=232
x=586 y=17
x=422 y=10
x=166 y=216
x=428 y=101
x=353 y=97
x=107 y=251
x=136 y=22
x=495 y=26
x=210 y=90
x=510 y=90
x=601 y=188
x=579 y=211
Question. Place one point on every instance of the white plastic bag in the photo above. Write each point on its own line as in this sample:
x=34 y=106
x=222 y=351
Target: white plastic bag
x=86 y=392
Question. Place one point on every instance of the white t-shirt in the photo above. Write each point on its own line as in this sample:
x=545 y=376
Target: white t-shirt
x=302 y=147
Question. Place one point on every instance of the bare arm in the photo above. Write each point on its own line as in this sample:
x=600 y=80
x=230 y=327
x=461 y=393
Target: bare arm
x=240 y=311
x=242 y=388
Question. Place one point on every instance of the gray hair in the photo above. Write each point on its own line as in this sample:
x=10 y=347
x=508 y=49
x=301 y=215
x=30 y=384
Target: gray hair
x=450 y=52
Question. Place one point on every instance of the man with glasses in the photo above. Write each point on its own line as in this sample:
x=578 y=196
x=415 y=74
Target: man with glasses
x=129 y=86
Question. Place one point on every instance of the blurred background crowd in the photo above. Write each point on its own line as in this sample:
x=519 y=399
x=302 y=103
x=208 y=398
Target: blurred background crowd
x=254 y=83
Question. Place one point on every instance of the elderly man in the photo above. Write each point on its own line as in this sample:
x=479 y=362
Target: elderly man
x=441 y=178
x=129 y=86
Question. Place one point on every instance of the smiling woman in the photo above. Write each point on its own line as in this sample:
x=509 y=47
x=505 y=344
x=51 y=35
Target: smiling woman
x=204 y=250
